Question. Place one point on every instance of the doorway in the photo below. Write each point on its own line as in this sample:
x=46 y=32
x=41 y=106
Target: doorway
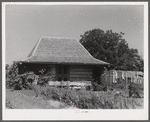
x=62 y=73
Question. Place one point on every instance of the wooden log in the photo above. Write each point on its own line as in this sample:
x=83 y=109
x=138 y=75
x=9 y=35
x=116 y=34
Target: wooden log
x=81 y=73
x=80 y=79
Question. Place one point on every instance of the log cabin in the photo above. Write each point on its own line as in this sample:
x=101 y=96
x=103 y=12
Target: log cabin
x=66 y=58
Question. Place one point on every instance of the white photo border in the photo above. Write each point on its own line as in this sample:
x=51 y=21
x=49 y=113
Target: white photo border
x=55 y=114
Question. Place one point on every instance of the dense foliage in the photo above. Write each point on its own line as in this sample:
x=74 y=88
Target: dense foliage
x=98 y=83
x=112 y=48
x=17 y=81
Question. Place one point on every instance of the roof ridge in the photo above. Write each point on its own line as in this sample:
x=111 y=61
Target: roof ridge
x=36 y=46
x=53 y=37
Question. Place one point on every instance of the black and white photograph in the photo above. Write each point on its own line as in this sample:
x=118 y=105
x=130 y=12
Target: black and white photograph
x=75 y=60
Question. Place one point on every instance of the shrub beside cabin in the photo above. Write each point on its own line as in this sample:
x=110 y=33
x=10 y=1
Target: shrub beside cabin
x=66 y=60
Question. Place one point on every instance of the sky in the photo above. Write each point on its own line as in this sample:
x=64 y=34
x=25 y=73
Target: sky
x=25 y=24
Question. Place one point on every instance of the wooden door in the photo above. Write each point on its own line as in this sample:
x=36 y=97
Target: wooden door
x=62 y=73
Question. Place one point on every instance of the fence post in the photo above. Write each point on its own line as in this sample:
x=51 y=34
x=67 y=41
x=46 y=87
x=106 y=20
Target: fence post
x=106 y=79
x=112 y=76
x=110 y=79
x=131 y=76
x=126 y=77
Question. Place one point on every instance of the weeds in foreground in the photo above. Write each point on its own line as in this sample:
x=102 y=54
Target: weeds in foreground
x=8 y=105
x=89 y=99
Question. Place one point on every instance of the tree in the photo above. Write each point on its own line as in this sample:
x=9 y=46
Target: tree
x=7 y=66
x=111 y=47
x=7 y=70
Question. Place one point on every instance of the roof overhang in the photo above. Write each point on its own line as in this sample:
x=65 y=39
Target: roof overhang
x=65 y=63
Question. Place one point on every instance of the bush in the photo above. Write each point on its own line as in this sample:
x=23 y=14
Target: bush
x=23 y=81
x=17 y=81
x=136 y=90
x=20 y=81
x=131 y=89
x=88 y=87
x=98 y=87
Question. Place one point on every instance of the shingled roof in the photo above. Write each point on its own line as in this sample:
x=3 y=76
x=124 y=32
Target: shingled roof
x=61 y=50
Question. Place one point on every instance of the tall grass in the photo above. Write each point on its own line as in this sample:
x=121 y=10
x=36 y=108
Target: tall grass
x=89 y=99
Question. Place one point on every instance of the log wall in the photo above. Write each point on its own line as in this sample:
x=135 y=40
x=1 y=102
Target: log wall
x=80 y=73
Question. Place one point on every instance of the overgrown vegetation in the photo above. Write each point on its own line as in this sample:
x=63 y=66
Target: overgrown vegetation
x=102 y=97
x=91 y=100
x=17 y=81
x=128 y=88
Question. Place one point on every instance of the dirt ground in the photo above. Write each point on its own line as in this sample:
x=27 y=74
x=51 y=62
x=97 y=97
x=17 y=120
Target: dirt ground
x=25 y=99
